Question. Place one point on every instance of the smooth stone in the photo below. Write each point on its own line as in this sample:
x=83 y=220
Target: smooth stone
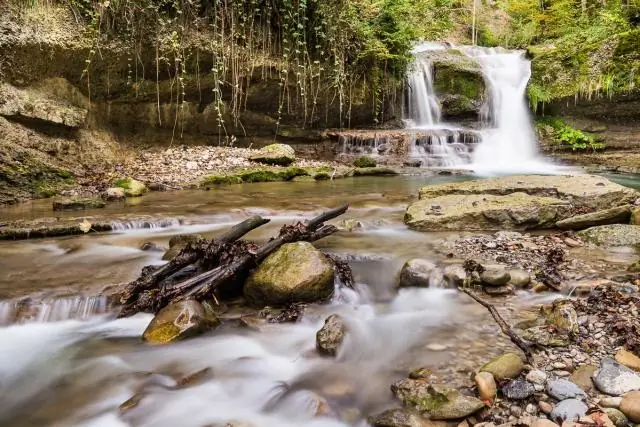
x=454 y=275
x=517 y=390
x=582 y=377
x=507 y=366
x=545 y=407
x=330 y=336
x=495 y=276
x=519 y=278
x=569 y=410
x=397 y=418
x=564 y=389
x=537 y=376
x=274 y=154
x=616 y=416
x=615 y=379
x=113 y=193
x=630 y=406
x=628 y=359
x=420 y=273
x=610 y=402
x=487 y=388
x=179 y=320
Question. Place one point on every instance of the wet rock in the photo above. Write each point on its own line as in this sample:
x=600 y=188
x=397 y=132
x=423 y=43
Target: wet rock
x=628 y=359
x=349 y=225
x=113 y=193
x=495 y=276
x=439 y=402
x=365 y=162
x=564 y=389
x=498 y=291
x=179 y=320
x=616 y=416
x=423 y=374
x=612 y=235
x=486 y=384
x=151 y=247
x=420 y=273
x=330 y=336
x=397 y=418
x=275 y=154
x=131 y=187
x=517 y=390
x=178 y=243
x=569 y=410
x=617 y=215
x=297 y=272
x=454 y=275
x=630 y=406
x=507 y=366
x=562 y=316
x=158 y=186
x=77 y=204
x=582 y=377
x=615 y=379
x=519 y=278
x=537 y=376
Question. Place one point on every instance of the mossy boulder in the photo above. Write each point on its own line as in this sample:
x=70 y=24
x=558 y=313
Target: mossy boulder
x=612 y=235
x=437 y=401
x=296 y=272
x=365 y=162
x=179 y=320
x=131 y=187
x=77 y=204
x=507 y=366
x=459 y=84
x=275 y=154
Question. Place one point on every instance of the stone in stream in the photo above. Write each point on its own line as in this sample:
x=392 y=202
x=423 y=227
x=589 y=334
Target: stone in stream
x=420 y=273
x=507 y=366
x=275 y=154
x=628 y=359
x=617 y=215
x=438 y=401
x=178 y=243
x=519 y=278
x=495 y=276
x=113 y=193
x=615 y=379
x=398 y=418
x=630 y=406
x=569 y=410
x=562 y=389
x=179 y=320
x=131 y=187
x=77 y=204
x=486 y=384
x=517 y=390
x=454 y=275
x=498 y=291
x=612 y=235
x=330 y=336
x=296 y=272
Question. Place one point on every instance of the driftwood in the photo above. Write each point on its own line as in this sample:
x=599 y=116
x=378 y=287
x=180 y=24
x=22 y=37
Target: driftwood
x=219 y=262
x=522 y=344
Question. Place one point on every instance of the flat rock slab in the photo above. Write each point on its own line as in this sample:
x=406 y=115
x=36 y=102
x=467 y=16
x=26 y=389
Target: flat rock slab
x=617 y=215
x=612 y=235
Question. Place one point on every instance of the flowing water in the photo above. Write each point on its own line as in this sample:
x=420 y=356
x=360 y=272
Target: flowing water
x=68 y=362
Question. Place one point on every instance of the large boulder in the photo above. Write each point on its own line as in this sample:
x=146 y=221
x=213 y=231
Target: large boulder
x=275 y=154
x=297 y=272
x=612 y=235
x=617 y=215
x=420 y=273
x=179 y=320
x=516 y=202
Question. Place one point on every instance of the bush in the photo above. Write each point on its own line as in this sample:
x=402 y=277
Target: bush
x=565 y=135
x=365 y=162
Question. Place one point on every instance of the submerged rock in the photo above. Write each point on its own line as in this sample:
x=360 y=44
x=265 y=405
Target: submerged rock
x=612 y=235
x=519 y=278
x=77 y=204
x=179 y=320
x=297 y=272
x=615 y=379
x=499 y=291
x=420 y=273
x=330 y=336
x=507 y=366
x=439 y=402
x=569 y=410
x=495 y=276
x=275 y=154
x=617 y=215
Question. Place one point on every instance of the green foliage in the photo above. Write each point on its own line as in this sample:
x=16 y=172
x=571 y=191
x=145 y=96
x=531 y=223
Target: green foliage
x=537 y=95
x=365 y=162
x=565 y=135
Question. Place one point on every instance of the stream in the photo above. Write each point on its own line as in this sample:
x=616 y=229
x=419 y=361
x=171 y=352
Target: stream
x=73 y=364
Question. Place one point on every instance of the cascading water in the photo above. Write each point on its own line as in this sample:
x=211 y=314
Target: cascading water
x=423 y=108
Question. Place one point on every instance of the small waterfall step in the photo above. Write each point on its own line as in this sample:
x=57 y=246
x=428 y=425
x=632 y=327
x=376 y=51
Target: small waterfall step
x=54 y=308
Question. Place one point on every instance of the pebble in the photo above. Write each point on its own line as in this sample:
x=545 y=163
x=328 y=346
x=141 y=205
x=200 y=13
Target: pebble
x=610 y=402
x=515 y=410
x=545 y=407
x=530 y=409
x=564 y=389
x=537 y=376
x=517 y=390
x=615 y=379
x=487 y=388
x=559 y=365
x=563 y=373
x=569 y=410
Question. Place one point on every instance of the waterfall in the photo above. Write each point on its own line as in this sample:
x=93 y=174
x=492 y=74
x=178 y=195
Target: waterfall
x=423 y=108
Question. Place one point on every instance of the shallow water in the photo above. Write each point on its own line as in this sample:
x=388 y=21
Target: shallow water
x=76 y=372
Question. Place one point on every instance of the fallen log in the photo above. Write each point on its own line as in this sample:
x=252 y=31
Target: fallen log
x=232 y=260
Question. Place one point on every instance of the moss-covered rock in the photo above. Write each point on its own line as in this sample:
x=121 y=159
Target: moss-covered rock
x=131 y=187
x=377 y=171
x=275 y=154
x=507 y=366
x=179 y=320
x=365 y=162
x=77 y=204
x=297 y=272
x=612 y=235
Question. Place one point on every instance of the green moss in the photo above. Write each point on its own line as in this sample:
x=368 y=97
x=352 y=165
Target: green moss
x=365 y=162
x=272 y=175
x=322 y=176
x=220 y=180
x=451 y=79
x=377 y=171
x=124 y=183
